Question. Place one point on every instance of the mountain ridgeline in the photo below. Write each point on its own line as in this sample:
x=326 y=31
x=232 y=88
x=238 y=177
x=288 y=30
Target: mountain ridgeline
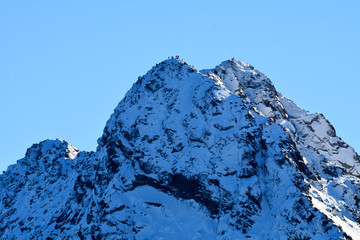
x=188 y=154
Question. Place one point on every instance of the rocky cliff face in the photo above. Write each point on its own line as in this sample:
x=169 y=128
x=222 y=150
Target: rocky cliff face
x=187 y=154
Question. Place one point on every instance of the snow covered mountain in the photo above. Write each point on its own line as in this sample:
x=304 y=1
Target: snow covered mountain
x=187 y=154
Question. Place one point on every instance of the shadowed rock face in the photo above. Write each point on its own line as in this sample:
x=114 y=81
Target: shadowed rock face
x=187 y=154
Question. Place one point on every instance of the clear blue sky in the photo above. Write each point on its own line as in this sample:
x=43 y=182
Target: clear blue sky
x=64 y=65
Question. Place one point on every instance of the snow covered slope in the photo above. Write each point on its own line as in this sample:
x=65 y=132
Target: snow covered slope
x=187 y=154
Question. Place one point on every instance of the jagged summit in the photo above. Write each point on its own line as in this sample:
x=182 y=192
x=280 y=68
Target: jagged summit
x=170 y=64
x=58 y=147
x=187 y=154
x=237 y=64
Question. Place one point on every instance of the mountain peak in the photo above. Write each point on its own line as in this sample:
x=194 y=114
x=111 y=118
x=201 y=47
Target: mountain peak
x=173 y=63
x=58 y=148
x=218 y=152
x=237 y=64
